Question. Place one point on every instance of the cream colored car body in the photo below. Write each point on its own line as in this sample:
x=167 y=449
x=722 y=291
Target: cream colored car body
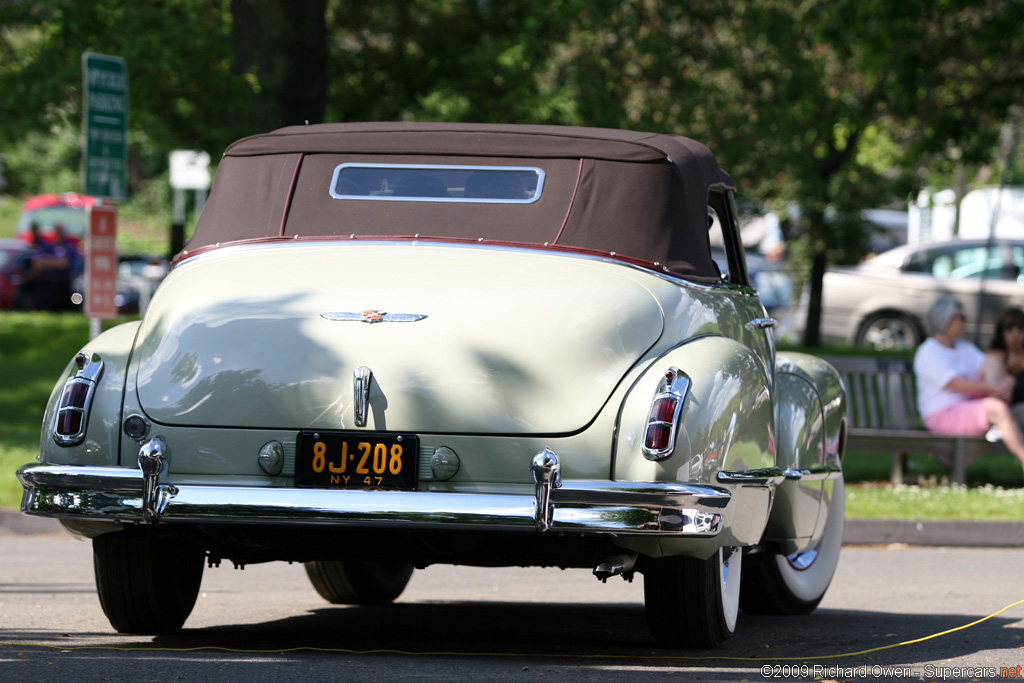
x=496 y=372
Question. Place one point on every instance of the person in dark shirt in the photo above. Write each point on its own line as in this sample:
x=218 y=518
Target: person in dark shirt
x=47 y=285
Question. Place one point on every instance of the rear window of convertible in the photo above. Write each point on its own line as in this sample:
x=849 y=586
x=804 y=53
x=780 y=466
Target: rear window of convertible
x=429 y=183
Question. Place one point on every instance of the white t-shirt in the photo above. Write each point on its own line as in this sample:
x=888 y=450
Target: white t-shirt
x=935 y=365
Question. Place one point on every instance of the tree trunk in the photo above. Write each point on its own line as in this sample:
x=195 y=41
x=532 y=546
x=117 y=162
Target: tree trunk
x=280 y=47
x=812 y=327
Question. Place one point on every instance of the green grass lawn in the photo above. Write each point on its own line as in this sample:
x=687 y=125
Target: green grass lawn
x=931 y=502
x=995 y=489
x=36 y=347
x=34 y=350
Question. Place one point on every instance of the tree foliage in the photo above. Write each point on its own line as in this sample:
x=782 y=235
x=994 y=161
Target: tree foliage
x=827 y=106
x=178 y=64
x=443 y=59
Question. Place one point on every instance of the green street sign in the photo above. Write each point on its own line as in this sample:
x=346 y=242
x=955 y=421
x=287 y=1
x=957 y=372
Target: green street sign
x=105 y=122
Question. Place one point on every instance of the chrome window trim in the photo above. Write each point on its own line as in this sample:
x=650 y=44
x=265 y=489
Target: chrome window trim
x=439 y=167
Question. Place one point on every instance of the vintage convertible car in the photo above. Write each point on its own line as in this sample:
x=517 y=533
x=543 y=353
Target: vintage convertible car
x=392 y=345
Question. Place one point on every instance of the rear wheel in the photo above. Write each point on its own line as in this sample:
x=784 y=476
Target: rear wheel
x=693 y=603
x=885 y=331
x=358 y=582
x=147 y=585
x=795 y=584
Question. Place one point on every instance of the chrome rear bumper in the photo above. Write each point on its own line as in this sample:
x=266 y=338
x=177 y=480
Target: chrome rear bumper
x=584 y=507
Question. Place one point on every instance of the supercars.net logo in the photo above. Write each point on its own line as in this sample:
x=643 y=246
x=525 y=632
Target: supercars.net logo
x=928 y=672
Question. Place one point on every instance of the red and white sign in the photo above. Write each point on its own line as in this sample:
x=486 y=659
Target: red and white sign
x=101 y=263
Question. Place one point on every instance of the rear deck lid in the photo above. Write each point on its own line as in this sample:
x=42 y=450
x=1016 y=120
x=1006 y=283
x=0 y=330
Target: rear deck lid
x=474 y=340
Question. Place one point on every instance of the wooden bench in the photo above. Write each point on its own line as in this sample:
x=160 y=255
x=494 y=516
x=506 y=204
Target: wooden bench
x=883 y=418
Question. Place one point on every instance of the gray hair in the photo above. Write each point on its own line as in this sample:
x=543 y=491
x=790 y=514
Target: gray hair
x=940 y=313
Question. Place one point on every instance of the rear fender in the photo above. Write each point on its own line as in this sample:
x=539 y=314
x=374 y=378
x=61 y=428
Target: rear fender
x=811 y=422
x=102 y=430
x=725 y=423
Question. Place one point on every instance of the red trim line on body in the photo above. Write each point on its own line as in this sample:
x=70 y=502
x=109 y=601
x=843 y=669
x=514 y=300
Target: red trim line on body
x=291 y=191
x=461 y=241
x=579 y=174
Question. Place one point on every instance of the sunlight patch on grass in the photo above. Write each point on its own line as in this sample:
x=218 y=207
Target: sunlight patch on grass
x=988 y=503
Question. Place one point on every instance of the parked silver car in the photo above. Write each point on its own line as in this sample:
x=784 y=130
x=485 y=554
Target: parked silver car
x=882 y=301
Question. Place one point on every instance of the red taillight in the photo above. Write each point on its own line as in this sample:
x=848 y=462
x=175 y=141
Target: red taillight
x=663 y=419
x=664 y=408
x=658 y=437
x=73 y=407
x=76 y=391
x=70 y=423
x=661 y=423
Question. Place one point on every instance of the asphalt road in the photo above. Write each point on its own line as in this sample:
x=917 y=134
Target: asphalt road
x=858 y=532
x=265 y=623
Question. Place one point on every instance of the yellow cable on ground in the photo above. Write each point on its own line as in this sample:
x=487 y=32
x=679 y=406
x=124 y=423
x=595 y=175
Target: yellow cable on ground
x=751 y=658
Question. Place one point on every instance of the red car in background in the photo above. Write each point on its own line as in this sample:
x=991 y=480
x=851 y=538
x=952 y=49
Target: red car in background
x=43 y=275
x=50 y=210
x=15 y=259
x=138 y=275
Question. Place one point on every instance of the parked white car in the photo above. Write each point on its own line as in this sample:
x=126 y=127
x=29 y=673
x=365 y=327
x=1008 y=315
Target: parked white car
x=882 y=302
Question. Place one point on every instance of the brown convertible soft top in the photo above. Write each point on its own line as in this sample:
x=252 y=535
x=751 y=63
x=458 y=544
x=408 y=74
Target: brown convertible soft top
x=638 y=196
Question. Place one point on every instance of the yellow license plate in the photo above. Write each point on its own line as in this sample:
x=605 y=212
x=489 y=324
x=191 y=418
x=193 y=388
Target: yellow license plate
x=357 y=460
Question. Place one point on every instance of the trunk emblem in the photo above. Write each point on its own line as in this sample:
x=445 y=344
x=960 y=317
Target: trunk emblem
x=374 y=316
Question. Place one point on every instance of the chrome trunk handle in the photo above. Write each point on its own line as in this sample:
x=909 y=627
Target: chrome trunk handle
x=361 y=379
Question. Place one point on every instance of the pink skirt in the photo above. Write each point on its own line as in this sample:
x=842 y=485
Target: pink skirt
x=968 y=418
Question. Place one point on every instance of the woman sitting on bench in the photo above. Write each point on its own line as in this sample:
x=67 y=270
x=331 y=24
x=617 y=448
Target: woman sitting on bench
x=1005 y=357
x=952 y=396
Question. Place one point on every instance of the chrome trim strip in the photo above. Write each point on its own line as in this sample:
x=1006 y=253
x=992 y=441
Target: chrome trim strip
x=584 y=507
x=769 y=476
x=814 y=473
x=761 y=324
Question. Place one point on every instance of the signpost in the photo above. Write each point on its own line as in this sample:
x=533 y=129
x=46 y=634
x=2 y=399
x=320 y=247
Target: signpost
x=104 y=175
x=101 y=266
x=190 y=170
x=105 y=113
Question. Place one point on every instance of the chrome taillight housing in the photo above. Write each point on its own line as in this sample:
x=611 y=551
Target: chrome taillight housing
x=72 y=416
x=663 y=419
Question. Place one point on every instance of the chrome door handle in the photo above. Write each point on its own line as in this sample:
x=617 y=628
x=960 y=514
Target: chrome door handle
x=761 y=324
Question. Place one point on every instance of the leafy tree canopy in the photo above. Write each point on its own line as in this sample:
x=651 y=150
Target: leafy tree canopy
x=827 y=105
